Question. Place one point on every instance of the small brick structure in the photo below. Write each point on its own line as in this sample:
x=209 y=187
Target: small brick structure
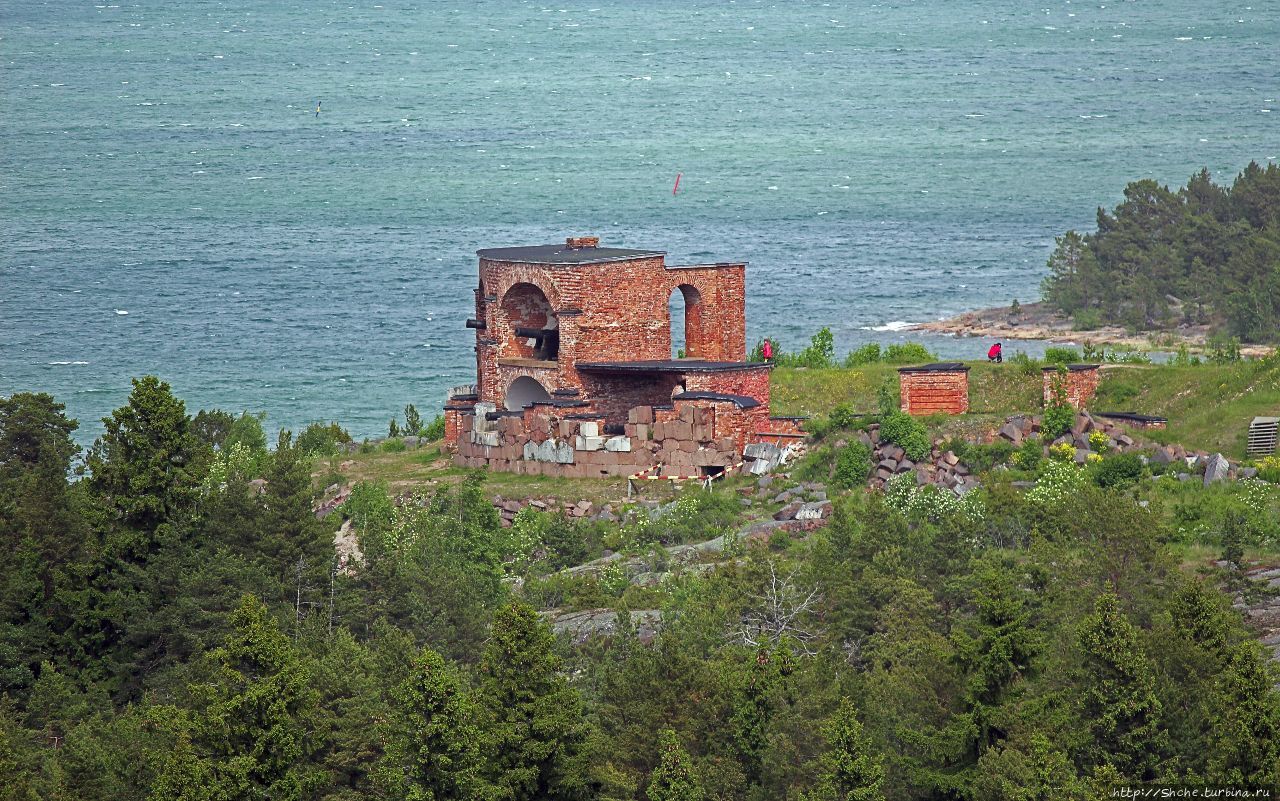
x=940 y=388
x=574 y=370
x=1080 y=383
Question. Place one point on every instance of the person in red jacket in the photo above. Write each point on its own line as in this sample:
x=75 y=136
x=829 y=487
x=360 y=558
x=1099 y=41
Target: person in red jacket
x=995 y=354
x=766 y=350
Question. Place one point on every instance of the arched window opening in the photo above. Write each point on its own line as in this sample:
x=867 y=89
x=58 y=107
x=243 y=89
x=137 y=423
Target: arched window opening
x=533 y=332
x=685 y=309
x=524 y=391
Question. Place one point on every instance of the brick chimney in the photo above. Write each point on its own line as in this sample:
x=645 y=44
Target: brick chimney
x=580 y=242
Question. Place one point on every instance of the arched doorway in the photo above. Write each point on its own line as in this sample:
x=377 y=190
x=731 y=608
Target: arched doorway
x=531 y=330
x=685 y=310
x=524 y=391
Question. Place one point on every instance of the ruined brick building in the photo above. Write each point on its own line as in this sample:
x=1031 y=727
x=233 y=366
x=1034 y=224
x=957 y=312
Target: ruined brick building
x=575 y=373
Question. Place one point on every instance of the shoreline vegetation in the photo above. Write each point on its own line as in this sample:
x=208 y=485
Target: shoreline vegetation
x=1039 y=321
x=1165 y=269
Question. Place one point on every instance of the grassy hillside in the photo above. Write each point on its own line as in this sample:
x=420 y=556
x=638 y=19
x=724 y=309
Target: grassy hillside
x=1208 y=406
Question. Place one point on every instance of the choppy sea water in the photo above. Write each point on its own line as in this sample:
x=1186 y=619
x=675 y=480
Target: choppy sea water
x=171 y=203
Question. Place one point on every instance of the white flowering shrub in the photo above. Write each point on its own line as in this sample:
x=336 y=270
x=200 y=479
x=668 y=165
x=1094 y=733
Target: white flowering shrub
x=1059 y=482
x=931 y=502
x=525 y=537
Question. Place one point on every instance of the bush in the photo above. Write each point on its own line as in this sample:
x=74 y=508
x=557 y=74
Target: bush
x=907 y=433
x=1086 y=320
x=1121 y=470
x=1269 y=469
x=321 y=439
x=867 y=354
x=1058 y=415
x=394 y=446
x=1224 y=349
x=981 y=458
x=434 y=430
x=1061 y=355
x=843 y=416
x=853 y=465
x=898 y=353
x=1029 y=455
x=1062 y=452
x=1025 y=364
x=908 y=353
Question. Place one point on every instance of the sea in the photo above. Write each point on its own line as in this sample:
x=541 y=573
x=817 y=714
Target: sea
x=275 y=206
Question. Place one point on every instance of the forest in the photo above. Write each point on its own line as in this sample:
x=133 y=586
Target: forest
x=176 y=625
x=1204 y=254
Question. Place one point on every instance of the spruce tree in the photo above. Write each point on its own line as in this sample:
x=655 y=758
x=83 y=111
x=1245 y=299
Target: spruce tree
x=146 y=466
x=435 y=754
x=250 y=731
x=674 y=778
x=850 y=769
x=1245 y=742
x=1119 y=703
x=535 y=728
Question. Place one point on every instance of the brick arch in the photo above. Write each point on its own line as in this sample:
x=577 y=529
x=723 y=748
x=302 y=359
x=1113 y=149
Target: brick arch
x=714 y=296
x=694 y=341
x=523 y=305
x=523 y=391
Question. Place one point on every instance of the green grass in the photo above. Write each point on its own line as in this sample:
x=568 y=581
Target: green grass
x=996 y=389
x=1209 y=406
x=427 y=467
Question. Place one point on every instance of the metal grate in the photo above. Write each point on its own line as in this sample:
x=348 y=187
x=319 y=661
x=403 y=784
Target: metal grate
x=1262 y=435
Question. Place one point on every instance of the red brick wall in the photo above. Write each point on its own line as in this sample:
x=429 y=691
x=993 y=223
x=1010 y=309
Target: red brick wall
x=934 y=392
x=615 y=395
x=1080 y=386
x=615 y=311
x=451 y=427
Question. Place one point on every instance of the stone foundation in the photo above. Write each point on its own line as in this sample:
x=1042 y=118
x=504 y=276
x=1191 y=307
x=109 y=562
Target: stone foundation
x=688 y=437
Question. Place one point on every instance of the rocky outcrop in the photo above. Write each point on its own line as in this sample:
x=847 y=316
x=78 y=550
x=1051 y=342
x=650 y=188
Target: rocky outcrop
x=583 y=625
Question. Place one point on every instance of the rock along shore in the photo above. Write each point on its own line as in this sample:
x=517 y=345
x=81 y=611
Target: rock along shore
x=1037 y=321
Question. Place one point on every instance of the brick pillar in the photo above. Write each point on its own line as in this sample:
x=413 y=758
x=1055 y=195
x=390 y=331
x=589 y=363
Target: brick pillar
x=1080 y=383
x=941 y=388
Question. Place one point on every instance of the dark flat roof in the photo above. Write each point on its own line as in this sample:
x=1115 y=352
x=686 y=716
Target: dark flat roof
x=1134 y=416
x=668 y=366
x=560 y=254
x=743 y=401
x=936 y=367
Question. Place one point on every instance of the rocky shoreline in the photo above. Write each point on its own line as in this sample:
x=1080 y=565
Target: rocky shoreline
x=1039 y=322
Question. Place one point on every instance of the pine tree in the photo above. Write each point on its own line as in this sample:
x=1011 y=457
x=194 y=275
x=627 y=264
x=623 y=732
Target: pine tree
x=435 y=755
x=849 y=770
x=535 y=728
x=145 y=467
x=673 y=779
x=1245 y=742
x=249 y=733
x=1119 y=703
